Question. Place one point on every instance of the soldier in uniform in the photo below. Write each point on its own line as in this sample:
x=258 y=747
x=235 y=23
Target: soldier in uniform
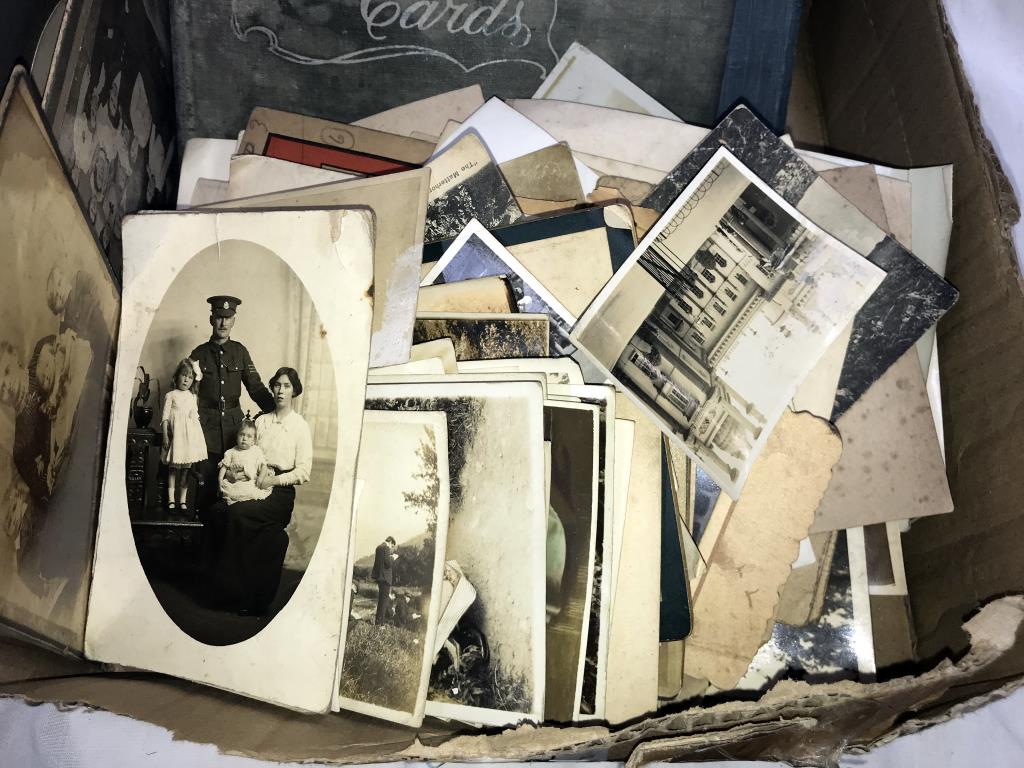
x=226 y=366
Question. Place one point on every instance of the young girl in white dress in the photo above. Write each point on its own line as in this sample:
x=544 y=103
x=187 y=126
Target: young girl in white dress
x=184 y=443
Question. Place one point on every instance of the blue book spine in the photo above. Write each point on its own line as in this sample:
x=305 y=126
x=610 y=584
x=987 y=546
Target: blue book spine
x=759 y=64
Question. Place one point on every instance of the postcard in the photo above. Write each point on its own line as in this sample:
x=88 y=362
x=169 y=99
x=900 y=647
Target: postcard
x=883 y=552
x=466 y=184
x=802 y=597
x=583 y=76
x=573 y=431
x=58 y=326
x=624 y=430
x=723 y=309
x=490 y=670
x=479 y=336
x=483 y=294
x=548 y=175
x=831 y=646
x=250 y=175
x=426 y=116
x=441 y=349
x=475 y=254
x=911 y=298
x=110 y=102
x=395 y=565
x=752 y=561
x=508 y=135
x=207 y=191
x=241 y=612
x=325 y=144
x=399 y=204
x=430 y=366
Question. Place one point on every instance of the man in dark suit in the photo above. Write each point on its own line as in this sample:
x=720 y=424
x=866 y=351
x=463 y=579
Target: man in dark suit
x=384 y=574
x=226 y=366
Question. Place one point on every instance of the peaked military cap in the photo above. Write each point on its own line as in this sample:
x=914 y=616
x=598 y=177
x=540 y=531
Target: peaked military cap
x=223 y=306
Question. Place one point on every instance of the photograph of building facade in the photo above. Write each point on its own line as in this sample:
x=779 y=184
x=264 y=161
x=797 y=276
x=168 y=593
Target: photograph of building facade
x=742 y=269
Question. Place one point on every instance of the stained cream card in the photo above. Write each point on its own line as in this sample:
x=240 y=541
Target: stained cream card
x=583 y=76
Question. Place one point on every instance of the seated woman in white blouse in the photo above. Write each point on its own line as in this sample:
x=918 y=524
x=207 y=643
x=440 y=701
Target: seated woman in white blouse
x=250 y=535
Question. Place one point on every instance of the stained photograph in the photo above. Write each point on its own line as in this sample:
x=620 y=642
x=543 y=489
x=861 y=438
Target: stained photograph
x=57 y=331
x=396 y=564
x=232 y=440
x=489 y=662
x=720 y=313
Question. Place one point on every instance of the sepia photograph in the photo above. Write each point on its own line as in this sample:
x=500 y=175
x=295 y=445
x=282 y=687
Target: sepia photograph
x=109 y=98
x=484 y=336
x=57 y=330
x=475 y=253
x=232 y=441
x=489 y=669
x=466 y=185
x=231 y=466
x=725 y=306
x=573 y=431
x=396 y=564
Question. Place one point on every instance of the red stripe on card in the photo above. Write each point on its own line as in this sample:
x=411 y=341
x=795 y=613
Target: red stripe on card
x=323 y=156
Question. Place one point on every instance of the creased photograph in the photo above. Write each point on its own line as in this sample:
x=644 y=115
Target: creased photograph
x=721 y=312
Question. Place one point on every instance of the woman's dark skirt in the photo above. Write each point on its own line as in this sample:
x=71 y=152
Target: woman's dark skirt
x=247 y=543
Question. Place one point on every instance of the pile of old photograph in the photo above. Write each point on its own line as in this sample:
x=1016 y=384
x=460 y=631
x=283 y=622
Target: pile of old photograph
x=490 y=411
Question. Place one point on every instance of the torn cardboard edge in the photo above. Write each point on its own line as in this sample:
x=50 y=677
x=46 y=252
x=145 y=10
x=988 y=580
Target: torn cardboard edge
x=828 y=718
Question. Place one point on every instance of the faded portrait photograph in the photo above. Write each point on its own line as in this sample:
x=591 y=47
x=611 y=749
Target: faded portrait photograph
x=57 y=329
x=231 y=443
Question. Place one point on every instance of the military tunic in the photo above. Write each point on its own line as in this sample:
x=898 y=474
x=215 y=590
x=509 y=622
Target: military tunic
x=226 y=367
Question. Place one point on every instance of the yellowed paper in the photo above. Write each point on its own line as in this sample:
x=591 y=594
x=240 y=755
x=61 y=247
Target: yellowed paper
x=752 y=558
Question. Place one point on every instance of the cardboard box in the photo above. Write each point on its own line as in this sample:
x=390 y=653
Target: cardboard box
x=874 y=79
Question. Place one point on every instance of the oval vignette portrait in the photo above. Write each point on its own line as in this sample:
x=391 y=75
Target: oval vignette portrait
x=231 y=442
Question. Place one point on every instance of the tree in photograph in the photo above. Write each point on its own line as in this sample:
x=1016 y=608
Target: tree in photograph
x=417 y=561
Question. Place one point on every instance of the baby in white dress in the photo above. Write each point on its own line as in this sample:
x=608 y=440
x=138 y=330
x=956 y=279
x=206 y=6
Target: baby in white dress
x=246 y=457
